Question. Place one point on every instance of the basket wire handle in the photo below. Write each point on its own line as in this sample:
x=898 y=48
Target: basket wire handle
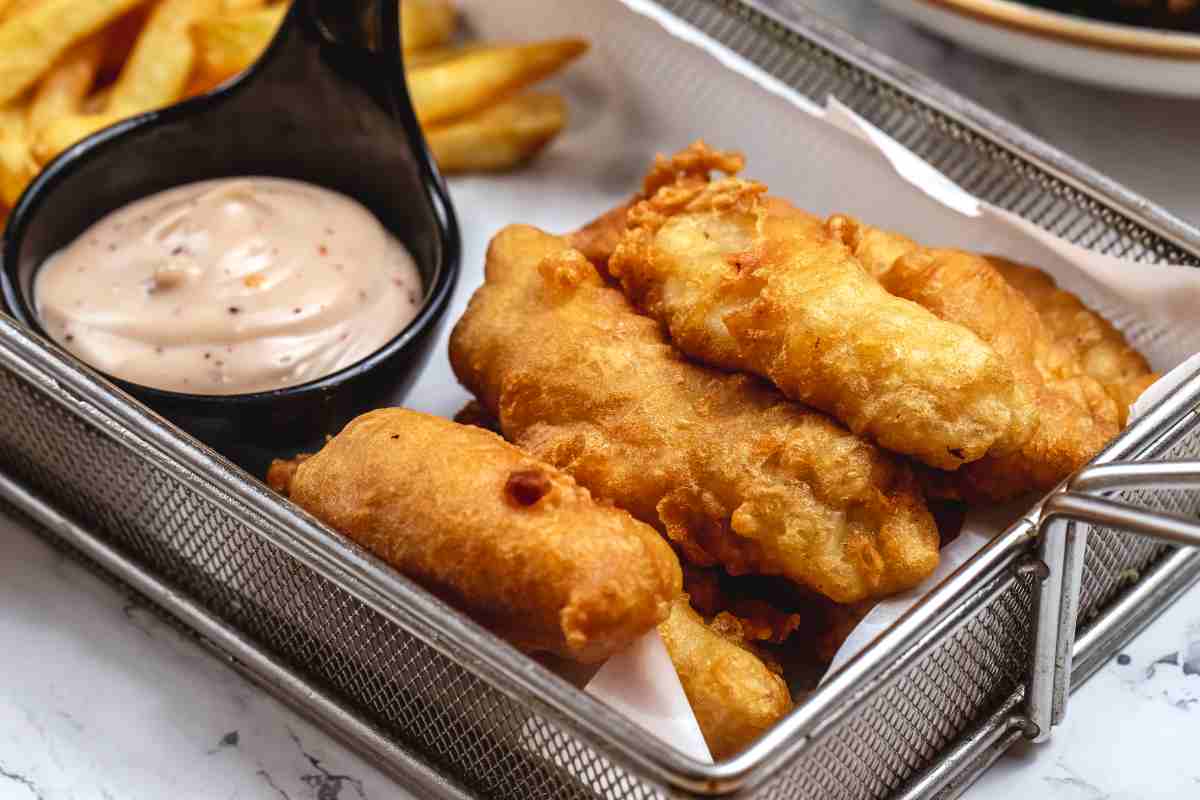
x=1062 y=543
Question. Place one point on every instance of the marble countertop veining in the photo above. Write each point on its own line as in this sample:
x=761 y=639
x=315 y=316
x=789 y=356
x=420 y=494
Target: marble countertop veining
x=101 y=699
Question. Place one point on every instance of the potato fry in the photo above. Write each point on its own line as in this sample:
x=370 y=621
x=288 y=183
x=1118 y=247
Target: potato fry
x=62 y=91
x=414 y=59
x=500 y=136
x=242 y=5
x=123 y=36
x=155 y=75
x=229 y=43
x=33 y=39
x=163 y=58
x=10 y=8
x=426 y=23
x=96 y=102
x=17 y=166
x=480 y=77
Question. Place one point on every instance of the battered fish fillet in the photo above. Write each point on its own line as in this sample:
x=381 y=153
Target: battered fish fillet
x=714 y=592
x=735 y=696
x=599 y=238
x=1103 y=351
x=748 y=282
x=726 y=467
x=511 y=541
x=1075 y=418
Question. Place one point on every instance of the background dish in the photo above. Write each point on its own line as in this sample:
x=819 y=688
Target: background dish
x=1102 y=53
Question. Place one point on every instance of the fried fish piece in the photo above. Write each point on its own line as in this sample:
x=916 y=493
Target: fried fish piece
x=1075 y=416
x=511 y=541
x=748 y=282
x=746 y=599
x=722 y=464
x=734 y=694
x=599 y=238
x=1105 y=355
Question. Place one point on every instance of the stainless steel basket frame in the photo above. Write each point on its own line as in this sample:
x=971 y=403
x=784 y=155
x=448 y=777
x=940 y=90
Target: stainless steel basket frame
x=582 y=748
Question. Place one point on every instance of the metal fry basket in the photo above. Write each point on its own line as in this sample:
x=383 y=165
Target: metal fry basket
x=989 y=657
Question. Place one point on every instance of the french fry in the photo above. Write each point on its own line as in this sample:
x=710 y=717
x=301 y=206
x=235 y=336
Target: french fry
x=241 y=5
x=229 y=43
x=10 y=8
x=95 y=102
x=163 y=58
x=477 y=79
x=426 y=23
x=155 y=75
x=62 y=91
x=122 y=35
x=34 y=38
x=498 y=137
x=415 y=59
x=232 y=41
x=17 y=166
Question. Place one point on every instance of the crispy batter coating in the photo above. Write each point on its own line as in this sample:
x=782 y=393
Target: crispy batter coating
x=722 y=464
x=747 y=282
x=735 y=696
x=747 y=599
x=840 y=622
x=1075 y=417
x=1102 y=350
x=513 y=542
x=598 y=239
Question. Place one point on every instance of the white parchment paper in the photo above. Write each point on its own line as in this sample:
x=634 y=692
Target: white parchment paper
x=651 y=84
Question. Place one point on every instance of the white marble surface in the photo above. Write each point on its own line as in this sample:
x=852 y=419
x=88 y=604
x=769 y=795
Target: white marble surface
x=99 y=699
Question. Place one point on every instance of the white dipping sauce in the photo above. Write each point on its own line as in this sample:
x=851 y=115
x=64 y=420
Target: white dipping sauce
x=230 y=286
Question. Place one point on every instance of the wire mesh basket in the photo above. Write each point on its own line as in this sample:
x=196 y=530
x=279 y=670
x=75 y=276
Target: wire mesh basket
x=427 y=694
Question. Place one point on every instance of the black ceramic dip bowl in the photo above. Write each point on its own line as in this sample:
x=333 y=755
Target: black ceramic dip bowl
x=326 y=104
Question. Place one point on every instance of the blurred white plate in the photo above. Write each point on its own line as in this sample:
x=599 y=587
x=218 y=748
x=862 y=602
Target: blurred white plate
x=1119 y=56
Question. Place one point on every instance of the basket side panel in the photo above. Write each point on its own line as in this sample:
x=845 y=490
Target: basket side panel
x=401 y=685
x=901 y=731
x=987 y=170
x=1116 y=560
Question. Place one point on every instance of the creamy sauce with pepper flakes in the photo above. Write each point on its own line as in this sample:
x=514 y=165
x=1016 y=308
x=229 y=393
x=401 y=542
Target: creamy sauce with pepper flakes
x=230 y=286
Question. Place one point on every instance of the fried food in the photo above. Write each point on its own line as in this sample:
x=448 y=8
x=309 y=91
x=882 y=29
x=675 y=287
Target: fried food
x=1075 y=416
x=714 y=592
x=61 y=92
x=229 y=43
x=1100 y=348
x=748 y=282
x=36 y=36
x=500 y=136
x=69 y=68
x=724 y=465
x=479 y=77
x=426 y=23
x=513 y=542
x=839 y=622
x=155 y=75
x=599 y=238
x=17 y=167
x=735 y=696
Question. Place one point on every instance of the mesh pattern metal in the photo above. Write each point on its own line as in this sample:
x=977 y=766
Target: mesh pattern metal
x=490 y=740
x=400 y=684
x=903 y=729
x=1115 y=560
x=985 y=169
